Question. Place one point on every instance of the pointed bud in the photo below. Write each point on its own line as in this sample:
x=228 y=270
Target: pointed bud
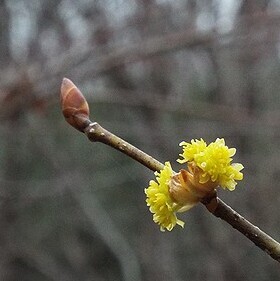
x=74 y=105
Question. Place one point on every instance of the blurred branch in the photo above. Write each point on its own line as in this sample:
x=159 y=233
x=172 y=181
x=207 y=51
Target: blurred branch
x=237 y=115
x=105 y=227
x=41 y=260
x=151 y=47
x=98 y=64
x=94 y=63
x=59 y=184
x=76 y=112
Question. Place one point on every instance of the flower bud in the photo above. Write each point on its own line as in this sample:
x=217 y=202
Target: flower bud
x=74 y=105
x=180 y=191
x=186 y=190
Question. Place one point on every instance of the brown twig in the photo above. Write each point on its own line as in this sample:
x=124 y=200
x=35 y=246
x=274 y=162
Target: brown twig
x=78 y=118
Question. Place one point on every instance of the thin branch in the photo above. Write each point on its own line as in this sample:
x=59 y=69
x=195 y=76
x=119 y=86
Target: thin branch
x=97 y=133
x=215 y=205
x=76 y=112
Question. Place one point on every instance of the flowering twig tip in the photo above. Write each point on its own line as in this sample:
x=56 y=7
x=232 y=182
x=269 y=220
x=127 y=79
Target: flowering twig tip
x=208 y=166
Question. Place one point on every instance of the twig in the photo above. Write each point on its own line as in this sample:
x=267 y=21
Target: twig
x=215 y=205
x=97 y=133
x=76 y=112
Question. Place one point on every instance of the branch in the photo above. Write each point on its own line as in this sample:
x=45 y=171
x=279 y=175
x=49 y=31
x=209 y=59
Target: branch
x=79 y=118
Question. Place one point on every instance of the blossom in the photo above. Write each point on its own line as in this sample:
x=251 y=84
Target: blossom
x=191 y=149
x=160 y=202
x=214 y=162
x=208 y=166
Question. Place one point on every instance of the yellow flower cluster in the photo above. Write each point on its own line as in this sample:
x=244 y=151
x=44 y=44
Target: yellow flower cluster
x=158 y=199
x=208 y=166
x=214 y=160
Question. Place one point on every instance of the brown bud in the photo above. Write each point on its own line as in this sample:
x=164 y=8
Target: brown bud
x=180 y=190
x=74 y=105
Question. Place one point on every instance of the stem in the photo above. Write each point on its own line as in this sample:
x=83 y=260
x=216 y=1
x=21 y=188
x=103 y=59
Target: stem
x=97 y=133
x=258 y=237
x=214 y=205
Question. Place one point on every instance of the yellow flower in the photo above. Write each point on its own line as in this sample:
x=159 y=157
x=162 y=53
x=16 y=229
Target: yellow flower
x=161 y=204
x=208 y=166
x=214 y=162
x=191 y=149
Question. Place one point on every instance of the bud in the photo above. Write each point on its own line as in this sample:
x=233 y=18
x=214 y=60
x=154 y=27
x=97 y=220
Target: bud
x=186 y=190
x=74 y=105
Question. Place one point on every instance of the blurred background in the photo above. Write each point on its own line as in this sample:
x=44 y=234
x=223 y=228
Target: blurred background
x=155 y=72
